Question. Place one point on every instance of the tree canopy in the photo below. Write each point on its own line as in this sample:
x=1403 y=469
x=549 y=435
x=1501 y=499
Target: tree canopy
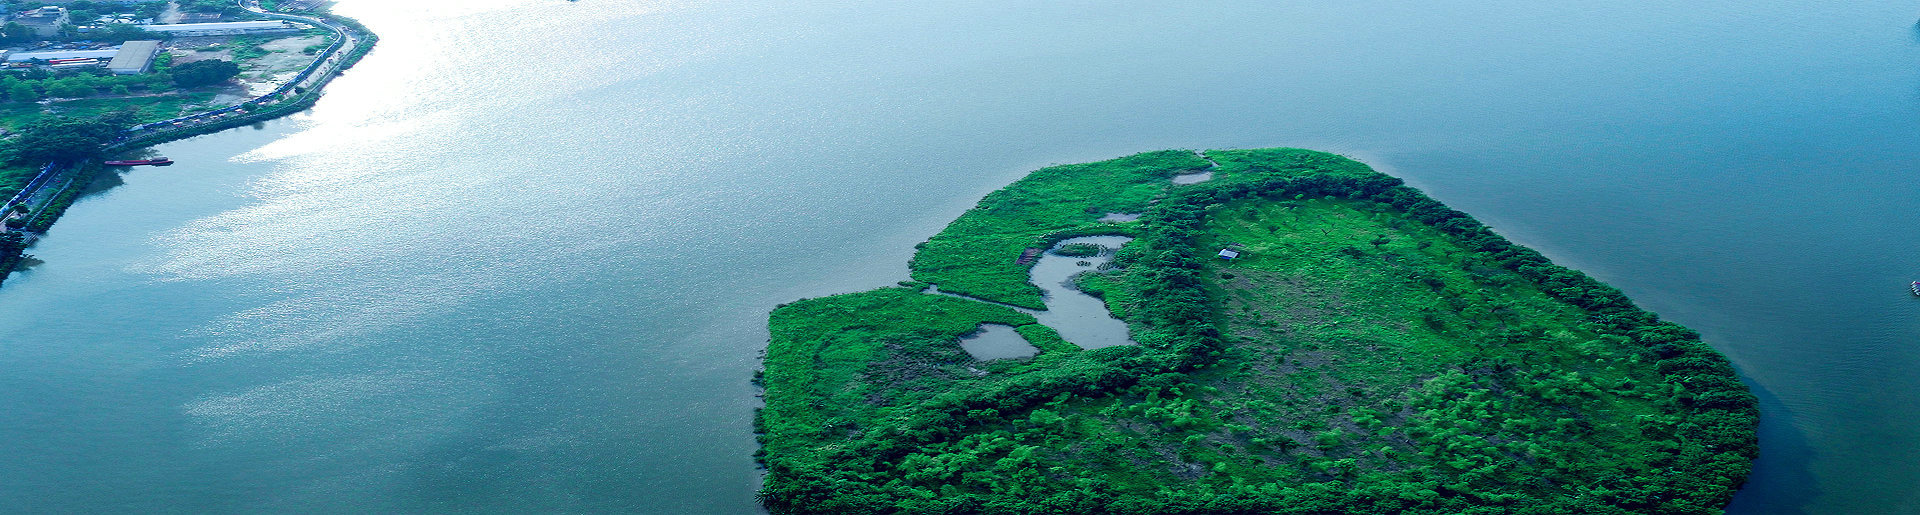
x=63 y=139
x=122 y=32
x=203 y=73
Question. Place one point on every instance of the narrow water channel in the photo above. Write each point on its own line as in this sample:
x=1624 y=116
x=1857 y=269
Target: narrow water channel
x=1080 y=318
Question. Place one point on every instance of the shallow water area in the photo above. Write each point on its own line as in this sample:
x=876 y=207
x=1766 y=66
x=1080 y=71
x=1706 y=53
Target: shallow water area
x=1080 y=318
x=1193 y=178
x=996 y=341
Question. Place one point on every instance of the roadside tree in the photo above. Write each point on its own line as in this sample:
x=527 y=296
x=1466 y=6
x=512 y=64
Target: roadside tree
x=204 y=73
x=23 y=92
x=62 y=139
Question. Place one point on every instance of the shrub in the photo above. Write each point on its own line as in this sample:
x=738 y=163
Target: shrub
x=204 y=73
x=1079 y=250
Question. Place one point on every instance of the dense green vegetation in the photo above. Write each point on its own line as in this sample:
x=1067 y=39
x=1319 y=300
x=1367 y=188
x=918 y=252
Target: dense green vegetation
x=1372 y=351
x=204 y=73
x=166 y=93
x=88 y=10
x=873 y=354
x=37 y=85
x=15 y=176
x=62 y=139
x=214 y=6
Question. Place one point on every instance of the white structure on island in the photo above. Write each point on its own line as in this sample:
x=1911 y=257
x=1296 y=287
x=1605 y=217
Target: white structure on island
x=232 y=28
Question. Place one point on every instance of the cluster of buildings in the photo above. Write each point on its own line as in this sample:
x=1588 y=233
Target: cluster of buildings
x=230 y=28
x=47 y=20
x=132 y=57
x=43 y=21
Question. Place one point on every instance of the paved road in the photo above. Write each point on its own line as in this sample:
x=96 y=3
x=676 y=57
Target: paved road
x=332 y=59
x=316 y=75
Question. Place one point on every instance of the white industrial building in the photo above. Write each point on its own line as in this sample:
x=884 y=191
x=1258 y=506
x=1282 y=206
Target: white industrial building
x=134 y=57
x=62 y=54
x=232 y=28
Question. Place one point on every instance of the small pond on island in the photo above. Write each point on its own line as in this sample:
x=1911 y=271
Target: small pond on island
x=996 y=341
x=1192 y=178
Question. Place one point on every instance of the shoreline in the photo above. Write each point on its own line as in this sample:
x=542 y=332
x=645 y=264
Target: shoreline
x=352 y=42
x=1366 y=347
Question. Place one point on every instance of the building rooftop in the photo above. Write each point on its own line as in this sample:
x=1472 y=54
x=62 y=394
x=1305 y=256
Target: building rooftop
x=227 y=25
x=42 y=16
x=62 y=54
x=134 y=57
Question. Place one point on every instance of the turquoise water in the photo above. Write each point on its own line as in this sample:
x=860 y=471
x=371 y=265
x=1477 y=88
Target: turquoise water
x=519 y=259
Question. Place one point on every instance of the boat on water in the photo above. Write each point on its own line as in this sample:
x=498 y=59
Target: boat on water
x=1916 y=288
x=158 y=161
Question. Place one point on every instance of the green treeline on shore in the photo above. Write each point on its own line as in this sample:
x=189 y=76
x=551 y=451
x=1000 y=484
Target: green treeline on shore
x=1372 y=351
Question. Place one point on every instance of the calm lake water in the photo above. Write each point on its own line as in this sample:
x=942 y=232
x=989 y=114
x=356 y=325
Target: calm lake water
x=519 y=259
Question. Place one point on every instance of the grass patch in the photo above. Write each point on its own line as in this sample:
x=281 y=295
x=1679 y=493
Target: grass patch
x=146 y=109
x=150 y=108
x=247 y=49
x=13 y=177
x=842 y=363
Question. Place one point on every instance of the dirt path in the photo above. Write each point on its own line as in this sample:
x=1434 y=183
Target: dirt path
x=172 y=14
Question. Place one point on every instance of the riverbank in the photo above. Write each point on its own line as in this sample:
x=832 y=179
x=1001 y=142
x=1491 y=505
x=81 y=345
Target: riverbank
x=39 y=207
x=1368 y=350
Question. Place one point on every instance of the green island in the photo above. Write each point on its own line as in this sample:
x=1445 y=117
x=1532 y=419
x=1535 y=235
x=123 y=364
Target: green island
x=1370 y=350
x=86 y=81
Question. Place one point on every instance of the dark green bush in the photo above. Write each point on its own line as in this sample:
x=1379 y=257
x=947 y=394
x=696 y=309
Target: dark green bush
x=1079 y=250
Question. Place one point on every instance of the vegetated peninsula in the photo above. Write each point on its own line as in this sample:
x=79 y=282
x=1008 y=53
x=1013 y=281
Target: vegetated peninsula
x=1369 y=350
x=84 y=79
